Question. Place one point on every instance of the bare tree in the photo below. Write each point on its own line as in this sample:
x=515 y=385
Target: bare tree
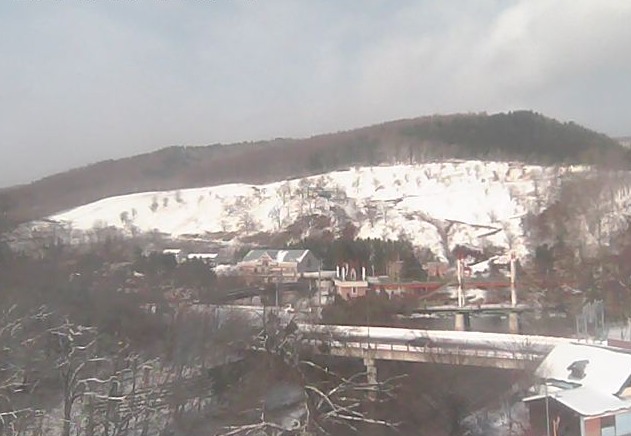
x=247 y=221
x=323 y=400
x=21 y=355
x=275 y=214
x=304 y=191
x=78 y=365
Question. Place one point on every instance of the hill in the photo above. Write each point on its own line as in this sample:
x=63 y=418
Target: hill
x=484 y=205
x=518 y=136
x=433 y=205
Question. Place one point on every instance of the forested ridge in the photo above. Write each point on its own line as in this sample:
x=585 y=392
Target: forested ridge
x=521 y=136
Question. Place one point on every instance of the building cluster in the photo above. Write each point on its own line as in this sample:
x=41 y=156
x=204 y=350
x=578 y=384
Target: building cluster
x=303 y=269
x=271 y=265
x=347 y=281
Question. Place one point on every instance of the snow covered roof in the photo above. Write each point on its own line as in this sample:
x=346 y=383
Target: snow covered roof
x=172 y=251
x=320 y=274
x=586 y=378
x=590 y=402
x=480 y=267
x=583 y=400
x=202 y=255
x=277 y=255
x=605 y=369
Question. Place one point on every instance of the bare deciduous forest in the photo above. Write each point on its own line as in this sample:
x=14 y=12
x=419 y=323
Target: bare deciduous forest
x=90 y=348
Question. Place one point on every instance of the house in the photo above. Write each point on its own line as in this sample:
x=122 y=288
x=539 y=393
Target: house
x=271 y=265
x=349 y=284
x=583 y=390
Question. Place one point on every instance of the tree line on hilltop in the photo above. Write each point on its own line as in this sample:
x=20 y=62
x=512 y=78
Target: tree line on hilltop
x=521 y=136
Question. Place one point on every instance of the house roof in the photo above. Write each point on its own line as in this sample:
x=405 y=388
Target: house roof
x=589 y=402
x=202 y=255
x=607 y=370
x=586 y=378
x=583 y=400
x=277 y=255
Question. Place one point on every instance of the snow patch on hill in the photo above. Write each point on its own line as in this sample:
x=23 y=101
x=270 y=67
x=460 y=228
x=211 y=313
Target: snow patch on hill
x=435 y=205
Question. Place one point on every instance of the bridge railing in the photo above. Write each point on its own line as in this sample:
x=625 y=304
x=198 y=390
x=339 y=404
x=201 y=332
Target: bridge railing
x=517 y=354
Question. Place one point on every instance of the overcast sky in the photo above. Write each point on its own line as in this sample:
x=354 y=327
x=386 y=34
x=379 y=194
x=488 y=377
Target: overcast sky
x=86 y=80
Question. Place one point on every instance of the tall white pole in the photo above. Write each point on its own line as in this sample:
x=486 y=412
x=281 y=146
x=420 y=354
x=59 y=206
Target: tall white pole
x=459 y=271
x=513 y=291
x=277 y=285
x=319 y=286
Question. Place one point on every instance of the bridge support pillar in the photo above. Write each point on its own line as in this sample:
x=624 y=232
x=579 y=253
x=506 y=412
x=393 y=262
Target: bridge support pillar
x=514 y=324
x=371 y=376
x=462 y=322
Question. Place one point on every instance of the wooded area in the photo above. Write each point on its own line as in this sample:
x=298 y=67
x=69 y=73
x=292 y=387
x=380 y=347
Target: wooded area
x=87 y=352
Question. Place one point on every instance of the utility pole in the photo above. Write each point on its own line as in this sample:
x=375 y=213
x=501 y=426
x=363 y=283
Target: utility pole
x=459 y=272
x=319 y=287
x=513 y=290
x=513 y=316
x=367 y=297
x=462 y=319
x=264 y=299
x=547 y=408
x=277 y=284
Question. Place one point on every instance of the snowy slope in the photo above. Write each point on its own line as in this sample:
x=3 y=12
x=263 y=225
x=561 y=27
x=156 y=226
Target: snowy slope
x=435 y=205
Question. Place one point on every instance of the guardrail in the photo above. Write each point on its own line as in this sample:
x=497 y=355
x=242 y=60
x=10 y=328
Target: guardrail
x=518 y=359
x=475 y=340
x=437 y=350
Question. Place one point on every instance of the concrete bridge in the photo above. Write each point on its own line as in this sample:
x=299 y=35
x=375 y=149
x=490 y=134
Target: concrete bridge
x=495 y=350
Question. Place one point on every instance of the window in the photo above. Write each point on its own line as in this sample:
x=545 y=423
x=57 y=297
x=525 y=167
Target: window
x=608 y=426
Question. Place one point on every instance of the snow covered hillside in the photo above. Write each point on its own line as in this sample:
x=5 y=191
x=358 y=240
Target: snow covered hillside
x=434 y=205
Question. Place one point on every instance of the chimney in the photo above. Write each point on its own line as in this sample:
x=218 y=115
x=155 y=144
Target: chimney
x=363 y=273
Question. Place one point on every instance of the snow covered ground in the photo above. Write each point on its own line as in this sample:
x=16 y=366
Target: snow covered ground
x=434 y=205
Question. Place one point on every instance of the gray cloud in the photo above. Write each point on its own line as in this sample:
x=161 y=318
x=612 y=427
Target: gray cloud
x=85 y=81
